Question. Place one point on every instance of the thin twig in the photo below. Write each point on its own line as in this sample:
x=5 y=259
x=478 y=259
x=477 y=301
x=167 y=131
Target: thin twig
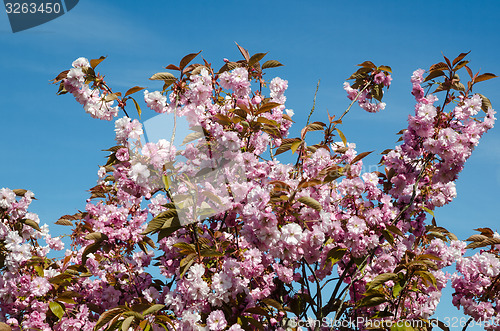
x=314 y=103
x=354 y=100
x=319 y=316
x=175 y=120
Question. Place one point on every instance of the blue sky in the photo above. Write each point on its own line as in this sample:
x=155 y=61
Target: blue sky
x=52 y=147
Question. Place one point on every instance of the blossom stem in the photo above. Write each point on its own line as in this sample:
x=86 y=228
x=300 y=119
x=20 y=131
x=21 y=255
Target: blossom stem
x=354 y=100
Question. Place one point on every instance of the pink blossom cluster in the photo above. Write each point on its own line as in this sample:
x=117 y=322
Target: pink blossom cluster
x=92 y=100
x=477 y=285
x=441 y=140
x=237 y=81
x=365 y=97
x=156 y=101
x=23 y=288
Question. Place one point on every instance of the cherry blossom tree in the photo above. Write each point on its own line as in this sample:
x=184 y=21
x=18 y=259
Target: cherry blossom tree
x=220 y=234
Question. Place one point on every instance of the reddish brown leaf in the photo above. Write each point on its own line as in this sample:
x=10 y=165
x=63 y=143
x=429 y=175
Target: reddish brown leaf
x=186 y=59
x=134 y=90
x=95 y=62
x=438 y=66
x=173 y=67
x=460 y=57
x=484 y=77
x=244 y=52
x=360 y=156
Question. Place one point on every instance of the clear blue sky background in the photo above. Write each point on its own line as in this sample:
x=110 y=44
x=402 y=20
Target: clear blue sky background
x=52 y=147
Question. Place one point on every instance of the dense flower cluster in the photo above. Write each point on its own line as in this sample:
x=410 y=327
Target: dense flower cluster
x=245 y=241
x=24 y=289
x=94 y=102
x=365 y=96
x=477 y=285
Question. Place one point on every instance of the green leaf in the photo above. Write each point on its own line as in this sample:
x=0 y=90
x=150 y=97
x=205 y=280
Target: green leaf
x=96 y=236
x=396 y=290
x=255 y=323
x=166 y=181
x=372 y=301
x=57 y=309
x=267 y=121
x=271 y=64
x=335 y=255
x=185 y=247
x=267 y=107
x=395 y=229
x=385 y=68
x=311 y=202
x=31 y=223
x=127 y=323
x=428 y=210
x=427 y=277
x=68 y=297
x=153 y=309
x=107 y=316
x=137 y=107
x=257 y=311
x=210 y=252
x=272 y=303
x=60 y=278
x=154 y=225
x=381 y=279
x=295 y=145
x=168 y=228
x=186 y=263
x=133 y=313
x=428 y=257
x=134 y=90
x=377 y=92
x=388 y=236
x=341 y=135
